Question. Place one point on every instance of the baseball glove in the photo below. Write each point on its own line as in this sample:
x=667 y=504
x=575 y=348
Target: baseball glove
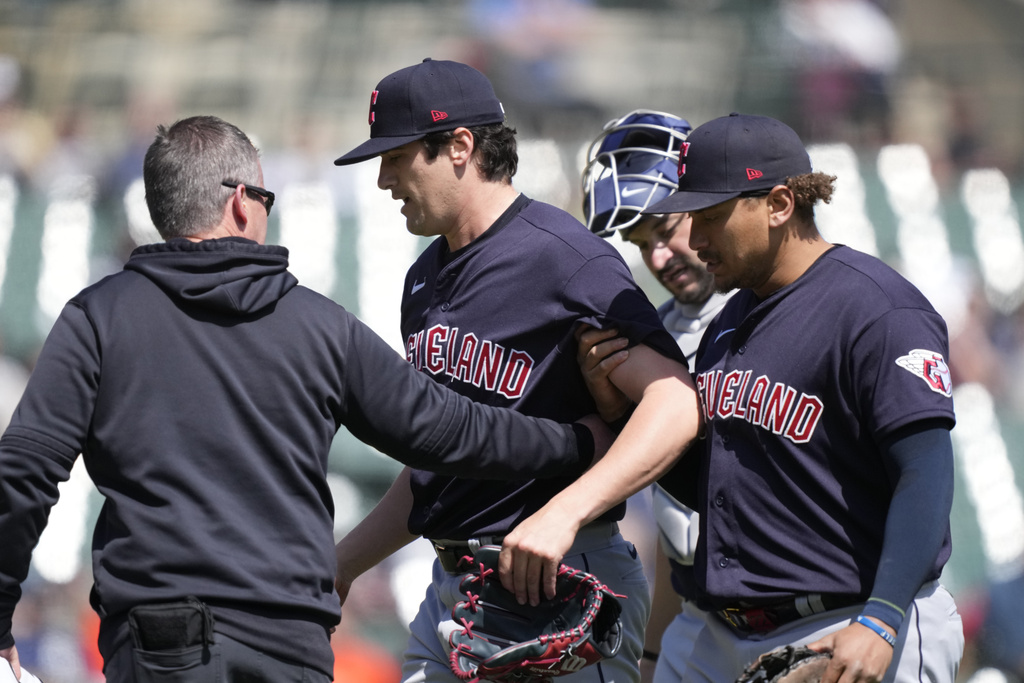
x=501 y=640
x=789 y=664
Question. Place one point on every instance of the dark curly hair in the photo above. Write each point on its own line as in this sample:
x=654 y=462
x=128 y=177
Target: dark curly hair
x=495 y=143
x=808 y=189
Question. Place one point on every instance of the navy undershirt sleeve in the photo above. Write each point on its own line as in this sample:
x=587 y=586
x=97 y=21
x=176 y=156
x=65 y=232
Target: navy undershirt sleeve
x=918 y=517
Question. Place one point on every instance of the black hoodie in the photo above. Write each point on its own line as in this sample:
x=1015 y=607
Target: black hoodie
x=203 y=387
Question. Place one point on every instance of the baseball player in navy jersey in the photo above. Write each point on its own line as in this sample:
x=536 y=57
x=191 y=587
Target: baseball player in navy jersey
x=632 y=165
x=826 y=480
x=490 y=309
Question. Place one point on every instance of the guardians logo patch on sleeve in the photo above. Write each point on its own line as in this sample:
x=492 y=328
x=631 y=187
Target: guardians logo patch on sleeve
x=929 y=366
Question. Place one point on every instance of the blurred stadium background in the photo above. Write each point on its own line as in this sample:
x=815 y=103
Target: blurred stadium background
x=917 y=106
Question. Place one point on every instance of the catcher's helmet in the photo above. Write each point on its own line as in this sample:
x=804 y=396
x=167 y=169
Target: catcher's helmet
x=631 y=165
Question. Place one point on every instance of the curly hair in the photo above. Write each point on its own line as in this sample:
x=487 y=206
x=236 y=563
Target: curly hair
x=495 y=143
x=808 y=189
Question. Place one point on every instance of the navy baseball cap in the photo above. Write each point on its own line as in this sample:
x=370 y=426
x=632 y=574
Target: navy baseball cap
x=429 y=97
x=731 y=155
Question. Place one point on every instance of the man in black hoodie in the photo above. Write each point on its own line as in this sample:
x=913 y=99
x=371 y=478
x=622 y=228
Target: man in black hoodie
x=203 y=387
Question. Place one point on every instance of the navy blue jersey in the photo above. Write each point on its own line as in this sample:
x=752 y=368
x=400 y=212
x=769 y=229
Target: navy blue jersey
x=494 y=321
x=798 y=391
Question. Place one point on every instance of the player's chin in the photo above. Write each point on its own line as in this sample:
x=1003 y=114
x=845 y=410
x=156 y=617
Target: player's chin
x=697 y=293
x=415 y=226
x=724 y=283
x=684 y=292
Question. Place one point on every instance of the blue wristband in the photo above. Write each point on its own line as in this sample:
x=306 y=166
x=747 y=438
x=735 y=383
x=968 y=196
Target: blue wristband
x=886 y=636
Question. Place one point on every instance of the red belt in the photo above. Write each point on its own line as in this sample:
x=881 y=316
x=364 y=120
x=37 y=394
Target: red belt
x=768 y=617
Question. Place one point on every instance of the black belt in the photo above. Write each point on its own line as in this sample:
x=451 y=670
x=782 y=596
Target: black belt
x=746 y=618
x=450 y=552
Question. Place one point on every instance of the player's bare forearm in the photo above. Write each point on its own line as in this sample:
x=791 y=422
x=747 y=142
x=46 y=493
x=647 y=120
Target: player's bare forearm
x=380 y=534
x=665 y=422
x=858 y=655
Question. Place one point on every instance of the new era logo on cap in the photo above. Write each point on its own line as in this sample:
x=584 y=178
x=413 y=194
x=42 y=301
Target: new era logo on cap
x=731 y=155
x=429 y=97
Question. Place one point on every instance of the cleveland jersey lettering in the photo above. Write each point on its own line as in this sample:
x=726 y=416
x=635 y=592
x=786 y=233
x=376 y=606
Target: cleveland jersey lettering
x=779 y=408
x=439 y=350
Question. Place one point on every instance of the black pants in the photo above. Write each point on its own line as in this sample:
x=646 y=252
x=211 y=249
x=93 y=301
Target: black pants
x=225 y=661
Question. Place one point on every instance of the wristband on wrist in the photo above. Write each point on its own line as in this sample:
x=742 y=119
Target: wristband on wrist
x=650 y=656
x=885 y=635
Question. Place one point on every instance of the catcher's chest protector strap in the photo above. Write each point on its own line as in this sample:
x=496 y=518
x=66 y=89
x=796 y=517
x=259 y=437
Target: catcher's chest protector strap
x=501 y=640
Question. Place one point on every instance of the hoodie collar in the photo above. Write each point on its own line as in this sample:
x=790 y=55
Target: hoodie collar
x=231 y=275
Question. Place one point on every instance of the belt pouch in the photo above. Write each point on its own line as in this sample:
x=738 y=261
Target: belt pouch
x=171 y=625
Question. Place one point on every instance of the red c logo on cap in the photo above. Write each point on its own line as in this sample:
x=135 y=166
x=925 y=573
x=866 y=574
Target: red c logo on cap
x=373 y=101
x=684 y=148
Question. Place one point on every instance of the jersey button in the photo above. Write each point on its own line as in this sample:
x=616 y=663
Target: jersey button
x=741 y=350
x=445 y=306
x=723 y=562
x=719 y=501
